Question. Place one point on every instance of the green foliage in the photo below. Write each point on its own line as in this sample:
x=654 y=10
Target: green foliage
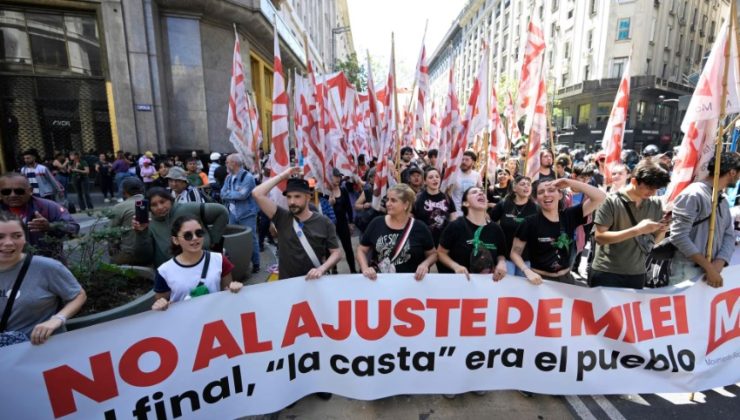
x=356 y=73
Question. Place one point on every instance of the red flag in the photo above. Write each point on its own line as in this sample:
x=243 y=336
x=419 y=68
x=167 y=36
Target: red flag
x=498 y=138
x=434 y=131
x=614 y=132
x=702 y=117
x=538 y=132
x=512 y=122
x=382 y=172
x=422 y=82
x=279 y=152
x=534 y=54
x=245 y=134
x=450 y=127
x=476 y=120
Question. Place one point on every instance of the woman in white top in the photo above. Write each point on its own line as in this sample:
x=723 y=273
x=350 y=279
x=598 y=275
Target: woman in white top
x=192 y=271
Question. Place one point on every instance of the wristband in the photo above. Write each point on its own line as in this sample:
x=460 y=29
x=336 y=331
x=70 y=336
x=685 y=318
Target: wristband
x=60 y=317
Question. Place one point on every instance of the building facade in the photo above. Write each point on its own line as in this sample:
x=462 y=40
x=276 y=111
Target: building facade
x=141 y=75
x=588 y=45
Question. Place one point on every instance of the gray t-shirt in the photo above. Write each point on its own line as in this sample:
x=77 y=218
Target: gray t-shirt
x=47 y=287
x=292 y=258
x=623 y=257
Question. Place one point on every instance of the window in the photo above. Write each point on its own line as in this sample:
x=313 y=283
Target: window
x=680 y=43
x=698 y=53
x=617 y=67
x=566 y=50
x=592 y=7
x=584 y=113
x=668 y=37
x=564 y=80
x=590 y=39
x=652 y=30
x=586 y=70
x=555 y=5
x=623 y=29
x=641 y=110
x=570 y=13
x=663 y=73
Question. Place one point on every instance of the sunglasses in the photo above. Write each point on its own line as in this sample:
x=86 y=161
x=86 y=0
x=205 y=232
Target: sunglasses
x=198 y=233
x=17 y=191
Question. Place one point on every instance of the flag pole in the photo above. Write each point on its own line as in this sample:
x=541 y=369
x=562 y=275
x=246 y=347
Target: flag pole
x=487 y=132
x=718 y=142
x=413 y=86
x=395 y=104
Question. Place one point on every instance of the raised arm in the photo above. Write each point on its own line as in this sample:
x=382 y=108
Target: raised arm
x=595 y=195
x=262 y=191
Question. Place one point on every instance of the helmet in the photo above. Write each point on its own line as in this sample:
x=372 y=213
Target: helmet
x=630 y=158
x=650 y=150
x=215 y=156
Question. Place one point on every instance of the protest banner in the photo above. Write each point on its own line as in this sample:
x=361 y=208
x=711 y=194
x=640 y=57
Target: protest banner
x=255 y=352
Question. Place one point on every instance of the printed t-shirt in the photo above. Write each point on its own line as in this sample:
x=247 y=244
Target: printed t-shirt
x=550 y=242
x=434 y=210
x=180 y=279
x=458 y=238
x=510 y=216
x=382 y=241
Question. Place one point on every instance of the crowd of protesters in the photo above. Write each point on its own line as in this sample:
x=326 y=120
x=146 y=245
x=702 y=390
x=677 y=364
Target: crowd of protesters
x=573 y=223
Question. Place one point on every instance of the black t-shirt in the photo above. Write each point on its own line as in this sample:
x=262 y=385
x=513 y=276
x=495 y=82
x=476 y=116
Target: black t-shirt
x=458 y=239
x=497 y=194
x=382 y=241
x=510 y=216
x=434 y=210
x=548 y=177
x=549 y=242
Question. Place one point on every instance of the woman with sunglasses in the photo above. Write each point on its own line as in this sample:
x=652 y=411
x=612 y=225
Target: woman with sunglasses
x=192 y=271
x=156 y=235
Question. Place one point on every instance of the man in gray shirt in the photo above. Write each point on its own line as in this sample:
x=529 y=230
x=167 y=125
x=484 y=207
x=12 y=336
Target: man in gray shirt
x=626 y=226
x=690 y=226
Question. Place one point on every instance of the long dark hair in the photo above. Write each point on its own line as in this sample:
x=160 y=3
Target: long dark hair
x=176 y=250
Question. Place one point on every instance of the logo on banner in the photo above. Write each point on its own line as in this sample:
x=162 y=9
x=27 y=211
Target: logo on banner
x=724 y=319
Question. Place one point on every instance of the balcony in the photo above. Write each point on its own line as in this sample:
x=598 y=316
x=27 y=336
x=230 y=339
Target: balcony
x=645 y=82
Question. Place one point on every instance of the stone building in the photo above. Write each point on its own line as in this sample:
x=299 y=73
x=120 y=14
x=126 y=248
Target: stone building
x=588 y=43
x=139 y=75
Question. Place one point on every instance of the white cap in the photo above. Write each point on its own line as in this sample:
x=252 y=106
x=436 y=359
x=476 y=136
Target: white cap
x=215 y=156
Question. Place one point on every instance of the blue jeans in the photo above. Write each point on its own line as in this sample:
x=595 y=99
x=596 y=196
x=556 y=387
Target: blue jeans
x=250 y=222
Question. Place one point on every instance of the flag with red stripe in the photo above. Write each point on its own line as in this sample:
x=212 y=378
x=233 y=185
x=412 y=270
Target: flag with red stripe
x=280 y=146
x=614 y=131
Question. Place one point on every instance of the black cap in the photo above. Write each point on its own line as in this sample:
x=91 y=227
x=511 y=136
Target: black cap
x=415 y=169
x=297 y=185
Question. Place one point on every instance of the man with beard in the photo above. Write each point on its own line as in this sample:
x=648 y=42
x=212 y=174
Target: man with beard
x=546 y=171
x=466 y=178
x=307 y=241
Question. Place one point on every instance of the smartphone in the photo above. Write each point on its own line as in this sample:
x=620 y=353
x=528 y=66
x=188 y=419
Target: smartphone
x=142 y=211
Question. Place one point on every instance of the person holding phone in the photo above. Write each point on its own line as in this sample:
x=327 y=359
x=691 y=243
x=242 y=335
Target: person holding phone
x=125 y=251
x=627 y=226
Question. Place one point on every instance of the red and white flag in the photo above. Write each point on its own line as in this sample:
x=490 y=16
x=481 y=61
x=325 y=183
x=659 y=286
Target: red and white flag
x=475 y=122
x=434 y=130
x=614 y=131
x=497 y=144
x=538 y=132
x=280 y=149
x=245 y=134
x=531 y=75
x=450 y=127
x=382 y=171
x=702 y=117
x=422 y=98
x=512 y=122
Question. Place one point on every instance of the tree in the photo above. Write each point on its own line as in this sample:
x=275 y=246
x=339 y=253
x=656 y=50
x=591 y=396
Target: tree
x=356 y=74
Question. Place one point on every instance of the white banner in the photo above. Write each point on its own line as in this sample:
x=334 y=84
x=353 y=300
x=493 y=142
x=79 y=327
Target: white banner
x=230 y=355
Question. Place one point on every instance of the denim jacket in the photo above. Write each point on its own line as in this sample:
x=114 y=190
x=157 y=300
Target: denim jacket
x=237 y=196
